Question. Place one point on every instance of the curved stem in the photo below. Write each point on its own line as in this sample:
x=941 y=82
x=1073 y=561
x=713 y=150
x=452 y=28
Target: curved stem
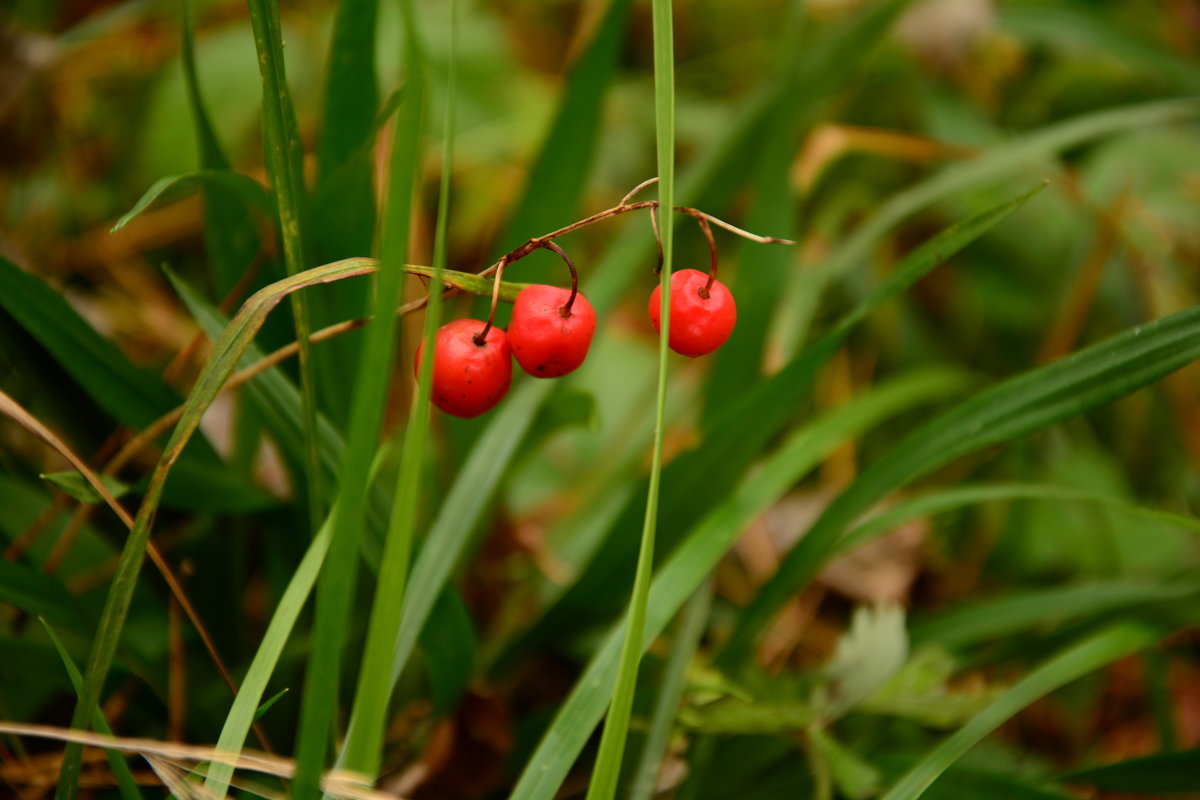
x=712 y=252
x=657 y=238
x=481 y=337
x=638 y=188
x=565 y=310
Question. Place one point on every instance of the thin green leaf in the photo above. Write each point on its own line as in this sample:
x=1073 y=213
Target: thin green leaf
x=943 y=500
x=1044 y=609
x=251 y=193
x=999 y=162
x=700 y=551
x=1070 y=664
x=335 y=590
x=855 y=778
x=1161 y=773
x=1017 y=407
x=125 y=780
x=131 y=395
x=557 y=178
x=607 y=772
x=78 y=487
x=687 y=639
x=285 y=159
x=272 y=700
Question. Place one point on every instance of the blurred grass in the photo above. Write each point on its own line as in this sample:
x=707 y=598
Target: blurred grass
x=1039 y=537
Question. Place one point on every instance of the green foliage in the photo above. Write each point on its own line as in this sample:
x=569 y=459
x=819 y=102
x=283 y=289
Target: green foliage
x=944 y=469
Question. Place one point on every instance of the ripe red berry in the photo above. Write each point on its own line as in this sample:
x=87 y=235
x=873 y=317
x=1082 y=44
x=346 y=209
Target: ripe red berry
x=699 y=323
x=468 y=378
x=546 y=342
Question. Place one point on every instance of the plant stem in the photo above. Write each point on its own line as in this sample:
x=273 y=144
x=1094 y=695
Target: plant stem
x=612 y=743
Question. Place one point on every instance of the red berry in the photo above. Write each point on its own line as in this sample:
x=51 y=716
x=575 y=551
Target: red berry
x=546 y=343
x=468 y=378
x=699 y=324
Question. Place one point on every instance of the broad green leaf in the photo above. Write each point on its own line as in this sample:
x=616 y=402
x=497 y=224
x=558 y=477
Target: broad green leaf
x=1159 y=774
x=116 y=761
x=1068 y=665
x=131 y=395
x=870 y=653
x=1017 y=407
x=78 y=487
x=38 y=595
x=705 y=544
x=250 y=193
x=733 y=438
x=450 y=649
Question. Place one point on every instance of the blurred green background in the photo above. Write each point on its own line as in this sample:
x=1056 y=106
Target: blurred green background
x=857 y=129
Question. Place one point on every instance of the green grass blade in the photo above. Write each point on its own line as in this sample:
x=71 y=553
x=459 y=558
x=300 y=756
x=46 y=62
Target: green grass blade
x=362 y=751
x=558 y=176
x=461 y=511
x=736 y=435
x=706 y=543
x=670 y=692
x=131 y=395
x=285 y=157
x=607 y=771
x=230 y=238
x=351 y=84
x=1161 y=773
x=959 y=496
x=997 y=163
x=1017 y=407
x=173 y=187
x=125 y=780
x=990 y=621
x=245 y=705
x=335 y=590
x=1072 y=663
x=226 y=353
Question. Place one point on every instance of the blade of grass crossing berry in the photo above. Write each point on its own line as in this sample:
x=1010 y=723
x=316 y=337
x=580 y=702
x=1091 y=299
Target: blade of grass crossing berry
x=1025 y=151
x=736 y=434
x=607 y=772
x=1070 y=664
x=226 y=353
x=362 y=750
x=705 y=544
x=670 y=692
x=125 y=780
x=284 y=156
x=1017 y=407
x=335 y=589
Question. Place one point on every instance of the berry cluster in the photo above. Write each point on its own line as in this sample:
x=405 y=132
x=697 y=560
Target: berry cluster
x=551 y=328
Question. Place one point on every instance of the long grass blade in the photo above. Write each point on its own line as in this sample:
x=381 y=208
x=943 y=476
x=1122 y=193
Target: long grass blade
x=1019 y=406
x=362 y=750
x=335 y=589
x=125 y=780
x=1071 y=664
x=607 y=771
x=285 y=156
x=683 y=650
x=700 y=551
